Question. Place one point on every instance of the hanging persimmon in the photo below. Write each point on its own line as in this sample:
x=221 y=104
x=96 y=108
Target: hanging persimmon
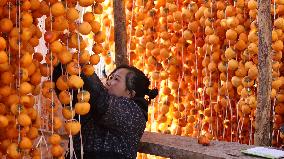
x=85 y=28
x=72 y=14
x=88 y=69
x=6 y=25
x=82 y=108
x=72 y=127
x=54 y=139
x=68 y=113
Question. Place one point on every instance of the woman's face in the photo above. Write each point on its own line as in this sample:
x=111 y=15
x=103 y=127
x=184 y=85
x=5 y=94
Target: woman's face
x=116 y=83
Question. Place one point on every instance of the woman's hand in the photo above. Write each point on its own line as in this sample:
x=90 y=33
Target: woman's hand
x=103 y=80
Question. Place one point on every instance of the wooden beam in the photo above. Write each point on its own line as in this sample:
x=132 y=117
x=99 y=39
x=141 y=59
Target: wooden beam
x=120 y=34
x=263 y=120
x=183 y=147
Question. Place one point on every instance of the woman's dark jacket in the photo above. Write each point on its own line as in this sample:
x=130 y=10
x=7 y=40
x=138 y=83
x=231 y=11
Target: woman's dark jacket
x=114 y=124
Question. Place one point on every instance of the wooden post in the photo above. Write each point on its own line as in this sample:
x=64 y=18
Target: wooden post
x=120 y=34
x=263 y=118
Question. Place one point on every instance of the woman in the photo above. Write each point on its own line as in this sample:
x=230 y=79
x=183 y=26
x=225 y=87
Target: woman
x=117 y=119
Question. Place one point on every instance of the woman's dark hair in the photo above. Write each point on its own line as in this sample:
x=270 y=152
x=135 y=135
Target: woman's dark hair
x=137 y=81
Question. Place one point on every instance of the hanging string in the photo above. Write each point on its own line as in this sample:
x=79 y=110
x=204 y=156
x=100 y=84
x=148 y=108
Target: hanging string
x=51 y=75
x=82 y=11
x=18 y=24
x=182 y=62
x=196 y=69
x=9 y=47
x=227 y=98
x=250 y=133
x=274 y=99
x=240 y=133
x=42 y=137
